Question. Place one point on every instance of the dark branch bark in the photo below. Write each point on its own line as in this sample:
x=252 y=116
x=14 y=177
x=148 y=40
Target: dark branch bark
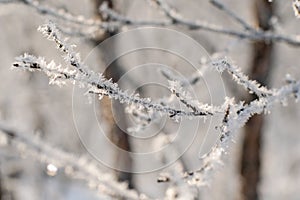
x=117 y=135
x=260 y=71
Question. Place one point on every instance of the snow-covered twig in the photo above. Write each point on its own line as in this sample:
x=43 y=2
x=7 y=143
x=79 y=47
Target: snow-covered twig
x=192 y=104
x=95 y=82
x=239 y=77
x=236 y=117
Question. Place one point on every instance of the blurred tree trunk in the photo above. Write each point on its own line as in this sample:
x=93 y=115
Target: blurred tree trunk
x=260 y=71
x=116 y=134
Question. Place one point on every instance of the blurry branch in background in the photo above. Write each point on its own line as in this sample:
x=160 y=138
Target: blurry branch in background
x=195 y=78
x=9 y=1
x=89 y=27
x=231 y=14
x=78 y=168
x=176 y=186
x=62 y=14
x=235 y=115
x=175 y=18
x=74 y=25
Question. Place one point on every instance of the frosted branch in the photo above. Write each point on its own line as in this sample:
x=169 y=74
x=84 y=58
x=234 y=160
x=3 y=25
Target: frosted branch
x=95 y=83
x=239 y=77
x=185 y=98
x=236 y=117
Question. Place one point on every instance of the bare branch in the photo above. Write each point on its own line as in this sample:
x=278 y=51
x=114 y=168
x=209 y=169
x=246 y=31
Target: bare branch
x=177 y=19
x=67 y=17
x=231 y=14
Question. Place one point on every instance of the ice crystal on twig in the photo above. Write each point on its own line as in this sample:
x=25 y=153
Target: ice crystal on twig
x=95 y=82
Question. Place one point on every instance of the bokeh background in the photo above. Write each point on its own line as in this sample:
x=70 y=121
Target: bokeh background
x=28 y=102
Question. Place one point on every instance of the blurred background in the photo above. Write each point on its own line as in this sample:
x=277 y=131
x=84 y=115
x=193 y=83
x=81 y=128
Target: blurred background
x=264 y=161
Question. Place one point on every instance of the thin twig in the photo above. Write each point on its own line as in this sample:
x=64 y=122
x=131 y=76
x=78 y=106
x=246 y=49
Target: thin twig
x=176 y=18
x=236 y=117
x=118 y=21
x=231 y=14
